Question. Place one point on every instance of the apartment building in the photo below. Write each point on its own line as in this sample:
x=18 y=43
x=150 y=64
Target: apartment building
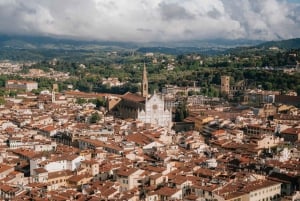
x=21 y=85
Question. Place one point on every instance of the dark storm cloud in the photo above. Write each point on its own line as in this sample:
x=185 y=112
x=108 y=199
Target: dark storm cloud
x=215 y=14
x=173 y=11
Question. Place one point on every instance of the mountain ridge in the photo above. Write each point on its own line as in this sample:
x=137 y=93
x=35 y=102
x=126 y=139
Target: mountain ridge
x=44 y=47
x=33 y=42
x=293 y=43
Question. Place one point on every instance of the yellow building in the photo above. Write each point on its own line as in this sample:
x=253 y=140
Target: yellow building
x=58 y=179
x=202 y=120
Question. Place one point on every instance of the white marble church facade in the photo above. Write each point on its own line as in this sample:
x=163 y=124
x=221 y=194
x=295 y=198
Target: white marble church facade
x=155 y=112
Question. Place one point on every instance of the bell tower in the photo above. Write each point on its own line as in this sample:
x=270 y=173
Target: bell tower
x=144 y=87
x=54 y=89
x=225 y=84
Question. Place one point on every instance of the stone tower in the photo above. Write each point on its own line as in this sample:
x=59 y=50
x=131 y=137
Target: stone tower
x=54 y=90
x=144 y=88
x=225 y=84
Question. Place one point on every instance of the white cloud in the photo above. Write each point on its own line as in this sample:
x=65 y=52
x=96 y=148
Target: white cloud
x=152 y=20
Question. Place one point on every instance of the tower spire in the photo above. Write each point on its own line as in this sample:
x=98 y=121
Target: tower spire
x=144 y=83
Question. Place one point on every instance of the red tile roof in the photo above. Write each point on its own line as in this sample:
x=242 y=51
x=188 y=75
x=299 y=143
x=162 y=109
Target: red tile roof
x=293 y=131
x=133 y=97
x=167 y=191
x=124 y=171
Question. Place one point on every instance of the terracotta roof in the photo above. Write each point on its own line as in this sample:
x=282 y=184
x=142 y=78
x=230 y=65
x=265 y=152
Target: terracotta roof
x=155 y=176
x=293 y=131
x=191 y=197
x=108 y=191
x=88 y=95
x=52 y=175
x=207 y=187
x=258 y=184
x=281 y=177
x=7 y=188
x=124 y=171
x=139 y=139
x=4 y=167
x=156 y=169
x=133 y=97
x=205 y=172
x=167 y=191
x=48 y=128
x=77 y=178
x=219 y=132
x=179 y=179
x=40 y=170
x=95 y=143
x=89 y=162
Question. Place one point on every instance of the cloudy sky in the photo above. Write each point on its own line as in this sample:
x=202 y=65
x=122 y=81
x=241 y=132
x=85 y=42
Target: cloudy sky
x=152 y=20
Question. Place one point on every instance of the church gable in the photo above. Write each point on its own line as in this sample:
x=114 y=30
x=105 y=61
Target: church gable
x=155 y=103
x=155 y=112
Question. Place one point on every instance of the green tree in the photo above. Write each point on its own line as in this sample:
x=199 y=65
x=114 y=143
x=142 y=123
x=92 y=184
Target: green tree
x=181 y=112
x=267 y=85
x=298 y=90
x=100 y=102
x=2 y=101
x=12 y=93
x=36 y=91
x=95 y=118
x=80 y=101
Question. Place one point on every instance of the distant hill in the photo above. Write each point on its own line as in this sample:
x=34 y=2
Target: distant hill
x=43 y=42
x=283 y=44
x=14 y=47
x=182 y=50
x=209 y=43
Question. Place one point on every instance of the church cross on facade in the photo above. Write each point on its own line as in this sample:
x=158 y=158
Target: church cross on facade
x=144 y=87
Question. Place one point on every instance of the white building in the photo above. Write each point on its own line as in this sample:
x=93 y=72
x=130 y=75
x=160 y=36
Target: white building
x=69 y=162
x=155 y=112
x=21 y=85
x=263 y=190
x=129 y=178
